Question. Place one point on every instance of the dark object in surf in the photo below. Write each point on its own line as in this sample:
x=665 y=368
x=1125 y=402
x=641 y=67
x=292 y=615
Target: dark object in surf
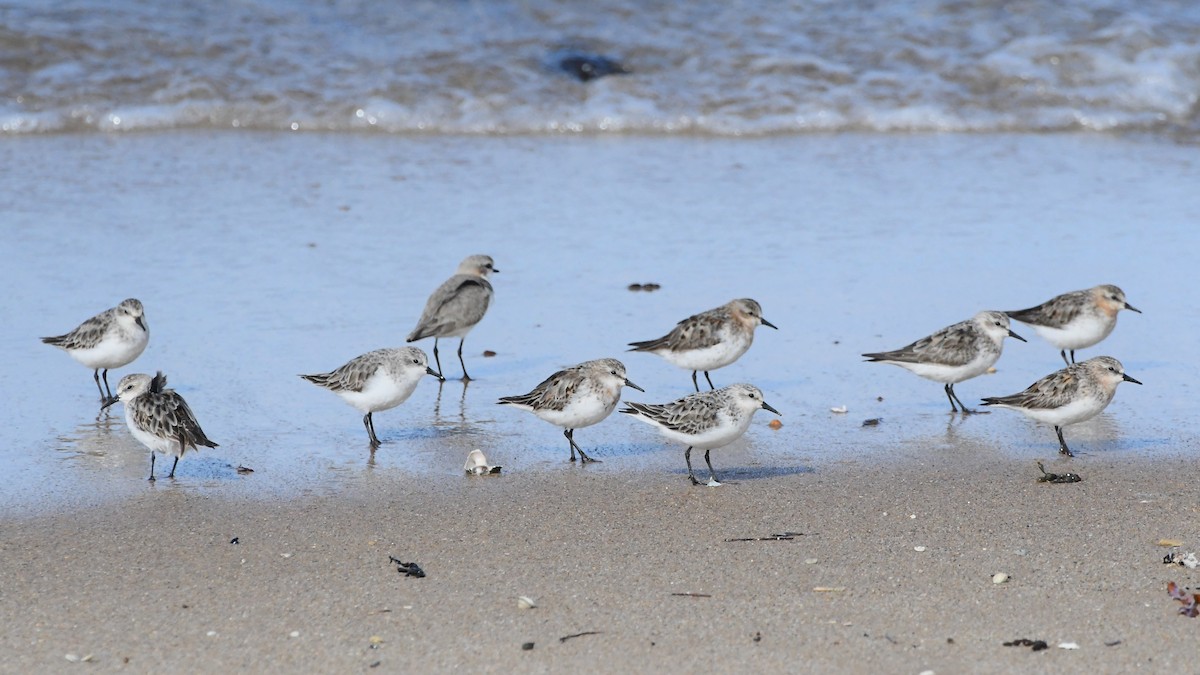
x=588 y=67
x=411 y=569
x=1048 y=477
x=1035 y=645
x=649 y=288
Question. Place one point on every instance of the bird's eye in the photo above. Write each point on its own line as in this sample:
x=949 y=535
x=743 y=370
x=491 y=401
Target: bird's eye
x=612 y=372
x=415 y=361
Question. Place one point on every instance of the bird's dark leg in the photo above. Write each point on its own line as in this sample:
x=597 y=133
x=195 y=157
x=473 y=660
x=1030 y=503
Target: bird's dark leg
x=583 y=458
x=466 y=377
x=710 y=384
x=950 y=390
x=1062 y=444
x=712 y=475
x=950 y=395
x=96 y=376
x=568 y=434
x=172 y=474
x=694 y=383
x=1063 y=354
x=106 y=387
x=687 y=457
x=437 y=360
x=152 y=466
x=369 y=423
x=1072 y=356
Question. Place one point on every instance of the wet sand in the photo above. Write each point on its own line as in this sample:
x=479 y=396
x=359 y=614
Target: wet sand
x=152 y=583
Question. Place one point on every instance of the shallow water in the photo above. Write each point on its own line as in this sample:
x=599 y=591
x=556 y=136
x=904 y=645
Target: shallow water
x=262 y=256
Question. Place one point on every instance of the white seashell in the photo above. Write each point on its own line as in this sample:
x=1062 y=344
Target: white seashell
x=477 y=464
x=525 y=602
x=712 y=482
x=919 y=549
x=999 y=578
x=841 y=409
x=1068 y=645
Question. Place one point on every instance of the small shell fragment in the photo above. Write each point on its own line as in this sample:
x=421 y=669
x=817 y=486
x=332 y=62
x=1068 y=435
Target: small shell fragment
x=841 y=410
x=477 y=464
x=919 y=549
x=525 y=602
x=775 y=424
x=1170 y=542
x=712 y=482
x=1068 y=645
x=999 y=578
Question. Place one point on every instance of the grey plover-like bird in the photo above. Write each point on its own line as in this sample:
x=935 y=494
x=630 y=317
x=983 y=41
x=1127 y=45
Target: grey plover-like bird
x=456 y=306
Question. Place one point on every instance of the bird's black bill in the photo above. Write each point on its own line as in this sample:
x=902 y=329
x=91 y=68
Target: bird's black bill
x=433 y=372
x=768 y=323
x=767 y=407
x=1129 y=379
x=108 y=402
x=1132 y=308
x=630 y=384
x=1012 y=334
x=142 y=325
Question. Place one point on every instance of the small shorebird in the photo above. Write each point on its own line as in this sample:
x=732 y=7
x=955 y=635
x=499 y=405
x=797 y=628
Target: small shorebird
x=376 y=381
x=709 y=340
x=576 y=397
x=456 y=306
x=954 y=353
x=707 y=420
x=111 y=339
x=1078 y=319
x=1074 y=394
x=158 y=417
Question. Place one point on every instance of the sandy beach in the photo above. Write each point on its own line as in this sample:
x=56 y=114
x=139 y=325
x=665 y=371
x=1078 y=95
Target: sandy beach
x=256 y=261
x=643 y=562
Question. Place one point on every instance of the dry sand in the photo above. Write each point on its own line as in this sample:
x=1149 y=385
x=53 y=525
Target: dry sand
x=153 y=583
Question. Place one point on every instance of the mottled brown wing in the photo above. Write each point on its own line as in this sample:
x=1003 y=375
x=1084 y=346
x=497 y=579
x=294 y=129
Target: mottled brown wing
x=553 y=393
x=688 y=415
x=953 y=346
x=167 y=415
x=695 y=332
x=1052 y=391
x=1055 y=312
x=88 y=334
x=352 y=376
